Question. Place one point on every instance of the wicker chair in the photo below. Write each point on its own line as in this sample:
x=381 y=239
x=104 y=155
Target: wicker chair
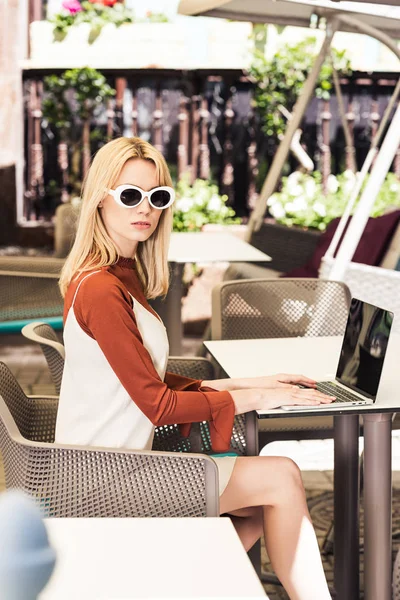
x=244 y=437
x=69 y=481
x=269 y=308
x=289 y=247
x=28 y=291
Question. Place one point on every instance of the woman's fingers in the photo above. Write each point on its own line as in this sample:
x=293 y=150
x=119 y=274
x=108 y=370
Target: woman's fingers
x=299 y=379
x=305 y=396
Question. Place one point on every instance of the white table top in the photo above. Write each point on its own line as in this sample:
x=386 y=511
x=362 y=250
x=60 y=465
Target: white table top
x=207 y=246
x=99 y=559
x=316 y=357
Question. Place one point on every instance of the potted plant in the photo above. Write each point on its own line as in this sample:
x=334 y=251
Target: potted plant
x=70 y=102
x=300 y=212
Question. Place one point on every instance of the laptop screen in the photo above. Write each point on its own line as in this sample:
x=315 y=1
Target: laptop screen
x=364 y=347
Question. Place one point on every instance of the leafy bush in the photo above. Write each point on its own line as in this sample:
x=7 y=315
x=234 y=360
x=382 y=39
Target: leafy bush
x=280 y=79
x=301 y=200
x=199 y=204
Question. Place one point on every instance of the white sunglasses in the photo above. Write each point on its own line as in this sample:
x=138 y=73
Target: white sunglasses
x=131 y=196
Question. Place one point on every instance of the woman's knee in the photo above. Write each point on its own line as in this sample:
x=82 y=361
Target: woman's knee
x=287 y=481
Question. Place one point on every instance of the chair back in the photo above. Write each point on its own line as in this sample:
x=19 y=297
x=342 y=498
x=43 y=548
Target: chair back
x=25 y=295
x=289 y=247
x=53 y=349
x=69 y=481
x=271 y=308
x=34 y=418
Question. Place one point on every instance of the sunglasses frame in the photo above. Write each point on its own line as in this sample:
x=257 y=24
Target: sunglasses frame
x=116 y=194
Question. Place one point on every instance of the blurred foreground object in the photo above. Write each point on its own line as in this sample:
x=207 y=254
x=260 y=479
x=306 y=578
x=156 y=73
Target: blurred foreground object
x=27 y=560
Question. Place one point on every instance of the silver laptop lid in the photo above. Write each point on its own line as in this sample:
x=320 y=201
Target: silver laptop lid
x=364 y=347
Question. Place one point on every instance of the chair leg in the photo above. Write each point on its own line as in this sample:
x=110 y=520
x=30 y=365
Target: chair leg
x=254 y=555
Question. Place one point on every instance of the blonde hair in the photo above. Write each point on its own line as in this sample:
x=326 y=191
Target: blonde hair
x=93 y=247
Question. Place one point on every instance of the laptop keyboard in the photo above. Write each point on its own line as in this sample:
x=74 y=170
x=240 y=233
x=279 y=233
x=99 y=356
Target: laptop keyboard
x=341 y=394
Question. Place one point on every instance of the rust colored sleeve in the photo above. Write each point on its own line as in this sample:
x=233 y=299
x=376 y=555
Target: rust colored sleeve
x=181 y=383
x=103 y=310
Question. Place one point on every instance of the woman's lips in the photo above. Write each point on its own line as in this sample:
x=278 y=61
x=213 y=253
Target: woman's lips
x=141 y=224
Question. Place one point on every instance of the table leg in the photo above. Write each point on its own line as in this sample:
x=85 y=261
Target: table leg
x=377 y=506
x=346 y=507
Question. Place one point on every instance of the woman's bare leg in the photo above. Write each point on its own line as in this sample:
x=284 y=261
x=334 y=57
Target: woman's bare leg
x=275 y=484
x=249 y=525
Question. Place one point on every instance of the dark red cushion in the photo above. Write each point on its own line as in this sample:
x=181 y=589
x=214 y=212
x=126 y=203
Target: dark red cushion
x=370 y=250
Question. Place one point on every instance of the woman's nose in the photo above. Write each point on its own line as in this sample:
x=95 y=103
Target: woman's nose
x=145 y=206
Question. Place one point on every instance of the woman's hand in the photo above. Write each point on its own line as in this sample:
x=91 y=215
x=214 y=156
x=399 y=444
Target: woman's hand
x=268 y=398
x=282 y=380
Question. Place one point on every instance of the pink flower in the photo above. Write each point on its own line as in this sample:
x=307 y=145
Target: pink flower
x=74 y=6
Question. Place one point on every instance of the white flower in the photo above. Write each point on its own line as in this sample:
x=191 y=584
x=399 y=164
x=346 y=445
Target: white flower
x=299 y=203
x=184 y=204
x=348 y=174
x=272 y=199
x=332 y=184
x=277 y=210
x=310 y=188
x=289 y=207
x=214 y=203
x=294 y=190
x=201 y=197
x=394 y=187
x=294 y=177
x=293 y=184
x=320 y=209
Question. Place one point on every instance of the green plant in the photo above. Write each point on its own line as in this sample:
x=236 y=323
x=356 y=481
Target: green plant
x=301 y=200
x=199 y=204
x=70 y=101
x=279 y=80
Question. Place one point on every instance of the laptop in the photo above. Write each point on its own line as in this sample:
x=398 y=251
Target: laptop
x=361 y=358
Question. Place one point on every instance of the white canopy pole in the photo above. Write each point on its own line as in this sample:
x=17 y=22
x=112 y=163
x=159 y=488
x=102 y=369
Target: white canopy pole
x=379 y=171
x=361 y=176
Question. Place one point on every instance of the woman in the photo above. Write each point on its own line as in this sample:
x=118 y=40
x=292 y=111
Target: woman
x=117 y=351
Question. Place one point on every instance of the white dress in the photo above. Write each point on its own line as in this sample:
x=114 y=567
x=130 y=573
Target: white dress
x=95 y=421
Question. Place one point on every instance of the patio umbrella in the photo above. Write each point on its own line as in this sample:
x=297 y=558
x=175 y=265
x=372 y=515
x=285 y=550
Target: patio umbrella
x=299 y=12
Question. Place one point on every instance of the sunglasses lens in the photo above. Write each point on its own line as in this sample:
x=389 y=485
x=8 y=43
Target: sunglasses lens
x=130 y=197
x=160 y=198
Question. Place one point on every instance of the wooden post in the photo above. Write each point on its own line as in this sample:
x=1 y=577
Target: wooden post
x=110 y=119
x=62 y=159
x=351 y=162
x=375 y=117
x=135 y=130
x=36 y=184
x=325 y=149
x=397 y=162
x=252 y=164
x=158 y=122
x=28 y=194
x=227 y=174
x=204 y=149
x=195 y=120
x=183 y=119
x=86 y=154
x=120 y=85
